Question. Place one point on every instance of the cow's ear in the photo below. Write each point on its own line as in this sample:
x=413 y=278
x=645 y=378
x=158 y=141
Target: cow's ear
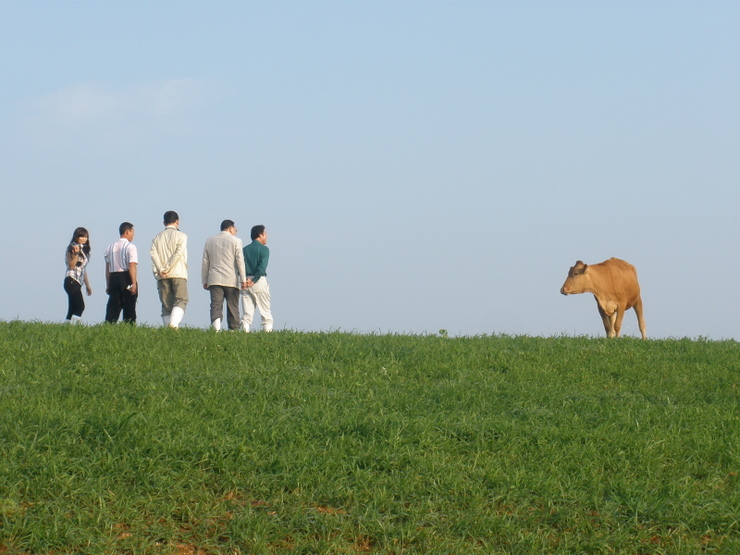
x=579 y=262
x=585 y=268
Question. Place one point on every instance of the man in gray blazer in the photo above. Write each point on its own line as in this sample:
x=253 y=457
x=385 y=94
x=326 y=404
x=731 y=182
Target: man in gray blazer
x=223 y=275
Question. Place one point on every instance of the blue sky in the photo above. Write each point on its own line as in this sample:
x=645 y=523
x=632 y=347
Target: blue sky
x=419 y=165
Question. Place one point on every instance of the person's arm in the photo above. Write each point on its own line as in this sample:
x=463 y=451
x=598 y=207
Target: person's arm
x=73 y=256
x=261 y=268
x=240 y=267
x=204 y=267
x=87 y=285
x=132 y=274
x=107 y=278
x=156 y=261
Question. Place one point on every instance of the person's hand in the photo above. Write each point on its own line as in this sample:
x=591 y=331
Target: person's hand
x=205 y=286
x=164 y=275
x=249 y=282
x=89 y=291
x=244 y=284
x=134 y=288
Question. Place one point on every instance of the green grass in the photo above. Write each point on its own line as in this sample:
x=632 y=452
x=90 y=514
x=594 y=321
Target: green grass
x=117 y=439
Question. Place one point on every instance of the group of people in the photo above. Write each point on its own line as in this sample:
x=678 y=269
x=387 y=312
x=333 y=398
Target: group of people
x=230 y=272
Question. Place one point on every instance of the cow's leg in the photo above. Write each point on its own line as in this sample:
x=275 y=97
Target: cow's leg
x=617 y=318
x=608 y=322
x=640 y=319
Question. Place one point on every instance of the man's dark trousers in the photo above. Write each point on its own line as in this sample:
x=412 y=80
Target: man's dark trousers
x=120 y=298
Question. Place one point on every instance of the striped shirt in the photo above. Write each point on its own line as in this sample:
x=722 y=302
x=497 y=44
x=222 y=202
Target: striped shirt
x=78 y=272
x=120 y=255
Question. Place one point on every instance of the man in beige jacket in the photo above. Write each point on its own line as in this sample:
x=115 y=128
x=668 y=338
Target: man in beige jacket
x=170 y=266
x=223 y=275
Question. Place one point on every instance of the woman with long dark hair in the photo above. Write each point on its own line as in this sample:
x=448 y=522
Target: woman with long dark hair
x=76 y=257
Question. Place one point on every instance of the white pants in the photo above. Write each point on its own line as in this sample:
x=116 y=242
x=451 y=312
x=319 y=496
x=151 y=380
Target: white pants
x=257 y=296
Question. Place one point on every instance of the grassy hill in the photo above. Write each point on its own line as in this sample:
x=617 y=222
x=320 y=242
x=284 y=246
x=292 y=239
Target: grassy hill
x=117 y=439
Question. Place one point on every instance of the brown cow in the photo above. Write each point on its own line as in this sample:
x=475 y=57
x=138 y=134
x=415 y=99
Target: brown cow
x=614 y=285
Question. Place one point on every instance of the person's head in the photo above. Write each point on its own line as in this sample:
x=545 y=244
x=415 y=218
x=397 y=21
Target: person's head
x=258 y=232
x=171 y=217
x=228 y=225
x=126 y=229
x=81 y=237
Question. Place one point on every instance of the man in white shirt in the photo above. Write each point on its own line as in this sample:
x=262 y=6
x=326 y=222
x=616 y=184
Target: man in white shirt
x=223 y=274
x=121 y=261
x=170 y=266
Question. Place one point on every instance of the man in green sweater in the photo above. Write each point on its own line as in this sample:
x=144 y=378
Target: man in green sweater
x=257 y=293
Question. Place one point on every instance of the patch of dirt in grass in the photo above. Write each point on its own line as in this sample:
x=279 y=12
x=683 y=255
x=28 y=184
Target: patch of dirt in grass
x=364 y=544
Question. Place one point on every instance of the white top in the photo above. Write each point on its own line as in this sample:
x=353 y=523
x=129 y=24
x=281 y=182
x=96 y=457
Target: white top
x=120 y=255
x=169 y=253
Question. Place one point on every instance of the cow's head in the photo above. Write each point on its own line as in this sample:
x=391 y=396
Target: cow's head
x=578 y=280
